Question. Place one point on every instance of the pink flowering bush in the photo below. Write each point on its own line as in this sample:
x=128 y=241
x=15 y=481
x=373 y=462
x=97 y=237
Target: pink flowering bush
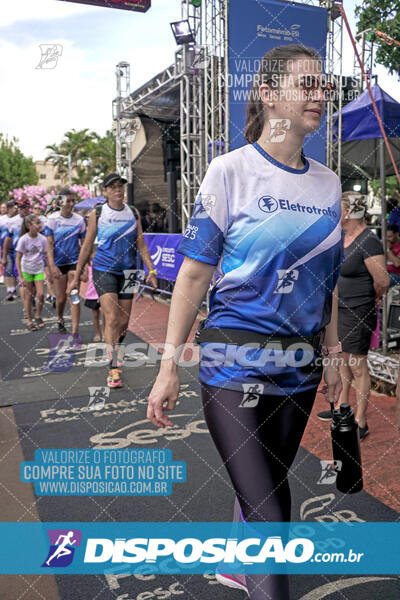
x=37 y=193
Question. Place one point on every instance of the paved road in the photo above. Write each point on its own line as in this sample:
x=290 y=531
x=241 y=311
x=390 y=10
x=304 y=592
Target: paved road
x=42 y=408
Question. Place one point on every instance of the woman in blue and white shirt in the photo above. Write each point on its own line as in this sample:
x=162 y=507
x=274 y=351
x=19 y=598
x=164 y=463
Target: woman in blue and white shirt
x=269 y=219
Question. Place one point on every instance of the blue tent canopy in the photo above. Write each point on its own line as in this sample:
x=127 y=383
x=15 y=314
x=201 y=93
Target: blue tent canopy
x=90 y=203
x=359 y=121
x=361 y=134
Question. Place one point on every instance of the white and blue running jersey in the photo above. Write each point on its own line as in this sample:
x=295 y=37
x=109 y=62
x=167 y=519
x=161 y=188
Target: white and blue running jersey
x=274 y=233
x=12 y=229
x=116 y=240
x=3 y=228
x=67 y=233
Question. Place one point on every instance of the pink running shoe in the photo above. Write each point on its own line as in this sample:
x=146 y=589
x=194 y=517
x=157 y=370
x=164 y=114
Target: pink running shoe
x=114 y=379
x=236 y=581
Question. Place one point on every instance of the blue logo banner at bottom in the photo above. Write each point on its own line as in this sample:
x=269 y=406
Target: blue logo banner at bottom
x=195 y=548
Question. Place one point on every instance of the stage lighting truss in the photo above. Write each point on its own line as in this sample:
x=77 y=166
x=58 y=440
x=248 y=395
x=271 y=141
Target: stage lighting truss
x=205 y=94
x=201 y=71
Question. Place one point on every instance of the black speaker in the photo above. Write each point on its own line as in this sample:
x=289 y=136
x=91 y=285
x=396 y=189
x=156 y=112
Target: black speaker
x=394 y=316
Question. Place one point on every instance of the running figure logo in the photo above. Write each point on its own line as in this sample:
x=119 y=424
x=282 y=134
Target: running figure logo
x=62 y=547
x=203 y=206
x=251 y=396
x=98 y=397
x=278 y=130
x=286 y=280
x=62 y=348
x=133 y=279
x=329 y=471
x=49 y=55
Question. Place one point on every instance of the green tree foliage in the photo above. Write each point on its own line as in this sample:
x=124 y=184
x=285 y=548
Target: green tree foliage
x=391 y=186
x=383 y=15
x=16 y=169
x=92 y=155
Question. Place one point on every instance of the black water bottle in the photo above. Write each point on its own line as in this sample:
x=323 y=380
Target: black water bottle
x=346 y=449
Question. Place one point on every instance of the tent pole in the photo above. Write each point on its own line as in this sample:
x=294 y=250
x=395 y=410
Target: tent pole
x=384 y=243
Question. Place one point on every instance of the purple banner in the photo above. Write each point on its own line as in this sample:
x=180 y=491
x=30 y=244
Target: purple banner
x=162 y=248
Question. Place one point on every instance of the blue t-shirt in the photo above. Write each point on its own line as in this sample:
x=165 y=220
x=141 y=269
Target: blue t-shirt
x=12 y=229
x=67 y=234
x=3 y=229
x=274 y=233
x=116 y=240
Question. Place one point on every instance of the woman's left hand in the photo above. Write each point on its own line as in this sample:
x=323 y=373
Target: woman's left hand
x=152 y=280
x=333 y=383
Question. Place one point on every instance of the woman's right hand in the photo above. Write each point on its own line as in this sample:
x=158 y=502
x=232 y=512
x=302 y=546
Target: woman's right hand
x=162 y=398
x=74 y=284
x=55 y=272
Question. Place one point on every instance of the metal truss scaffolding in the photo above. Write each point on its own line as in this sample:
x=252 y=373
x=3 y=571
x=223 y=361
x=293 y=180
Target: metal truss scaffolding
x=122 y=117
x=365 y=50
x=204 y=96
x=201 y=71
x=205 y=93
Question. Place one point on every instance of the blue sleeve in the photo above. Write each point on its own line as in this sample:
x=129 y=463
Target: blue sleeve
x=203 y=239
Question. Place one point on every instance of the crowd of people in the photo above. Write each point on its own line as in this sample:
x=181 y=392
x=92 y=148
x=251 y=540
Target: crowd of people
x=58 y=250
x=308 y=271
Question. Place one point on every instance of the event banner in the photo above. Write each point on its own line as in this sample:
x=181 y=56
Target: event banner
x=166 y=260
x=252 y=31
x=198 y=548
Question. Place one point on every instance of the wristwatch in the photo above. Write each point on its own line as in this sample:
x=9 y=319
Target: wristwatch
x=327 y=350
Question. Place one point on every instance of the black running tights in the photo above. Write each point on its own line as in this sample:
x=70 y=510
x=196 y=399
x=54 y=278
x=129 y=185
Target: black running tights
x=258 y=444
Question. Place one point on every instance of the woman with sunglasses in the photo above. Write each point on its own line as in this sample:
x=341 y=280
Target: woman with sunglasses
x=269 y=219
x=119 y=234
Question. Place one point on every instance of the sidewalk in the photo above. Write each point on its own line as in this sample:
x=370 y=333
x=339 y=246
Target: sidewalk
x=380 y=450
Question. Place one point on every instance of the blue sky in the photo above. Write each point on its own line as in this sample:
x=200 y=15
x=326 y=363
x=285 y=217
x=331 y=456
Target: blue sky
x=39 y=105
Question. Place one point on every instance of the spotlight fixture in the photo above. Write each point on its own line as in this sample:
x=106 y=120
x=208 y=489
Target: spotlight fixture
x=182 y=32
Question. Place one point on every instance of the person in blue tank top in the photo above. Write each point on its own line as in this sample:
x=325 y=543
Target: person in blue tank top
x=64 y=230
x=119 y=236
x=267 y=220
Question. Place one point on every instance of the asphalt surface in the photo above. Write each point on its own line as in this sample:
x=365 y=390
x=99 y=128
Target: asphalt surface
x=47 y=408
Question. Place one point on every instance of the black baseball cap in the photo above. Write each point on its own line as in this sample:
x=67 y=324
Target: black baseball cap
x=10 y=203
x=111 y=178
x=23 y=203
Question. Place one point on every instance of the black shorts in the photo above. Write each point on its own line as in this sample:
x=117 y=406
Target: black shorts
x=110 y=283
x=64 y=269
x=356 y=325
x=93 y=304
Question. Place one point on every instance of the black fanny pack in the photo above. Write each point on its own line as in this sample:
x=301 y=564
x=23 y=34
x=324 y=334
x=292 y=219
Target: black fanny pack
x=242 y=337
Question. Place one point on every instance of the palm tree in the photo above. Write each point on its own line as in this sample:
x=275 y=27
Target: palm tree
x=103 y=154
x=75 y=144
x=58 y=161
x=92 y=155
